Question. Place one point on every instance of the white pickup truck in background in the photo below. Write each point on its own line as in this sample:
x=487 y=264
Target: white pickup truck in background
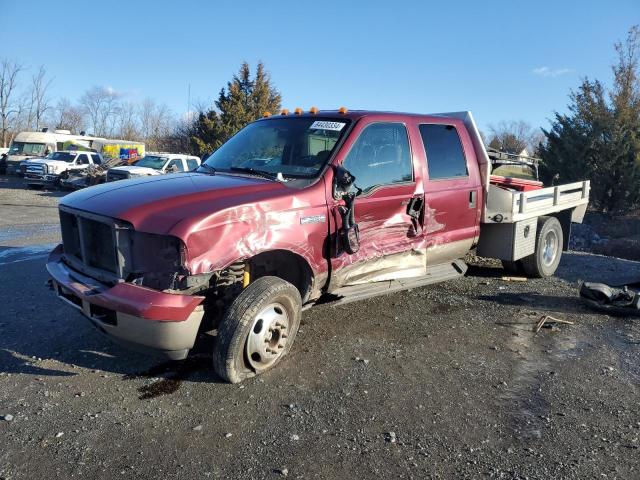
x=49 y=170
x=155 y=164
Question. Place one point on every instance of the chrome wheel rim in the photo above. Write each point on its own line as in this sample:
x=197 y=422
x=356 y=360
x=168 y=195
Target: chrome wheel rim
x=550 y=248
x=268 y=336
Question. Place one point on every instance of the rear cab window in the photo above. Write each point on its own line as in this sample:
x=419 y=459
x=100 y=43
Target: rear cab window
x=445 y=155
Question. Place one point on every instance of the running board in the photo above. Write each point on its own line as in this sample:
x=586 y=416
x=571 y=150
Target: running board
x=435 y=274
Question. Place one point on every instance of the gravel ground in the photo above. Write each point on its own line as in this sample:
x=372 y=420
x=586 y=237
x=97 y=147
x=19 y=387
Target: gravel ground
x=28 y=217
x=445 y=381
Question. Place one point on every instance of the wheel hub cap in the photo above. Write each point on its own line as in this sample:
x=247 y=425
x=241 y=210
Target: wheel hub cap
x=550 y=249
x=268 y=336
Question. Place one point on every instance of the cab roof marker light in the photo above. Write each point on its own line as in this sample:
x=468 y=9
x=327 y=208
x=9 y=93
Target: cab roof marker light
x=266 y=114
x=298 y=111
x=285 y=111
x=313 y=110
x=342 y=110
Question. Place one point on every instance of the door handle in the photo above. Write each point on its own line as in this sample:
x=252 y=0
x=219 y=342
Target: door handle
x=472 y=199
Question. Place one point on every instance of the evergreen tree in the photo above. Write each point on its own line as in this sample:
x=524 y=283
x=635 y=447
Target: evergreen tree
x=244 y=100
x=600 y=136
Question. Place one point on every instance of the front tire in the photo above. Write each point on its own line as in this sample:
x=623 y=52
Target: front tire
x=258 y=329
x=549 y=241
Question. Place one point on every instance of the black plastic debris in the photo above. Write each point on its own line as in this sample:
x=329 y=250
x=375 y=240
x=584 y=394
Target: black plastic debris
x=614 y=300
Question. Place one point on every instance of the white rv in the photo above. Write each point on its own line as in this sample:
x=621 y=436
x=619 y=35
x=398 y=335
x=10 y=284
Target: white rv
x=28 y=145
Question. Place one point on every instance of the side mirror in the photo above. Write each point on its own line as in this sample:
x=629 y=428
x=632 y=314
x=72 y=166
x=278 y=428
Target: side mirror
x=342 y=181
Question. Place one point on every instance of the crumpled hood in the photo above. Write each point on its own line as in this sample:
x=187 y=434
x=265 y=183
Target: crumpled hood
x=172 y=204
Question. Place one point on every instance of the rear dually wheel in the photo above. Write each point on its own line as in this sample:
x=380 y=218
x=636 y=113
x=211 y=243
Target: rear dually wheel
x=549 y=241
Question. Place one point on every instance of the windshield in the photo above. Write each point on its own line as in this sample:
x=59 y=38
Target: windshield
x=64 y=156
x=151 y=161
x=22 y=148
x=294 y=147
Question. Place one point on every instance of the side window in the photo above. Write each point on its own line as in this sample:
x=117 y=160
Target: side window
x=445 y=156
x=380 y=156
x=192 y=164
x=82 y=159
x=175 y=165
x=96 y=158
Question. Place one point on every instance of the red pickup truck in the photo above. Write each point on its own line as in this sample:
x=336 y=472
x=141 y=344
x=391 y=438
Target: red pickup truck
x=297 y=209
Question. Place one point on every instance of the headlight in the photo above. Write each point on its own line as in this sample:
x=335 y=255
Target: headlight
x=156 y=259
x=52 y=168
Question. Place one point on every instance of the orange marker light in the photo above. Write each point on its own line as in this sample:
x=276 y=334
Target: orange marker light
x=284 y=111
x=298 y=111
x=313 y=110
x=343 y=110
x=266 y=114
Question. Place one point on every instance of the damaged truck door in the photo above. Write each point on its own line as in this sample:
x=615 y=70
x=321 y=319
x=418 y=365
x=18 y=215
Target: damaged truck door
x=388 y=210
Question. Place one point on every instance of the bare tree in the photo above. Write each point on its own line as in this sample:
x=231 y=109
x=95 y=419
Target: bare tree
x=127 y=121
x=514 y=137
x=8 y=109
x=101 y=105
x=68 y=116
x=40 y=103
x=156 y=123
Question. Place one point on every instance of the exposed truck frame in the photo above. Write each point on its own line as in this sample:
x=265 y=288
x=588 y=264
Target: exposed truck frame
x=322 y=206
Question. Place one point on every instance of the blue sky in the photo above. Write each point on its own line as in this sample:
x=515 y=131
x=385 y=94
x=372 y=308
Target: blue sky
x=503 y=60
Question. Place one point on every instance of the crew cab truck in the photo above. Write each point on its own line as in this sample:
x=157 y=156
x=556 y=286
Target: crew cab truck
x=56 y=165
x=293 y=210
x=155 y=164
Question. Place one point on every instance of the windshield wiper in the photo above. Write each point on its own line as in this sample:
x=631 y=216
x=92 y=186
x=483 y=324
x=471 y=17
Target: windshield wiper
x=253 y=171
x=208 y=167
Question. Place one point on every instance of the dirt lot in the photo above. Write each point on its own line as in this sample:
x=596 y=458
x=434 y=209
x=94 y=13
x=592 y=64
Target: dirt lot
x=446 y=381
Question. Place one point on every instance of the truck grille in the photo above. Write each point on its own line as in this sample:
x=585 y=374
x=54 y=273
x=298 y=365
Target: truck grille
x=32 y=169
x=90 y=242
x=113 y=175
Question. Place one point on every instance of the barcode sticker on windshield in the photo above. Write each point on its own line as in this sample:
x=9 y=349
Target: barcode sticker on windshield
x=324 y=125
